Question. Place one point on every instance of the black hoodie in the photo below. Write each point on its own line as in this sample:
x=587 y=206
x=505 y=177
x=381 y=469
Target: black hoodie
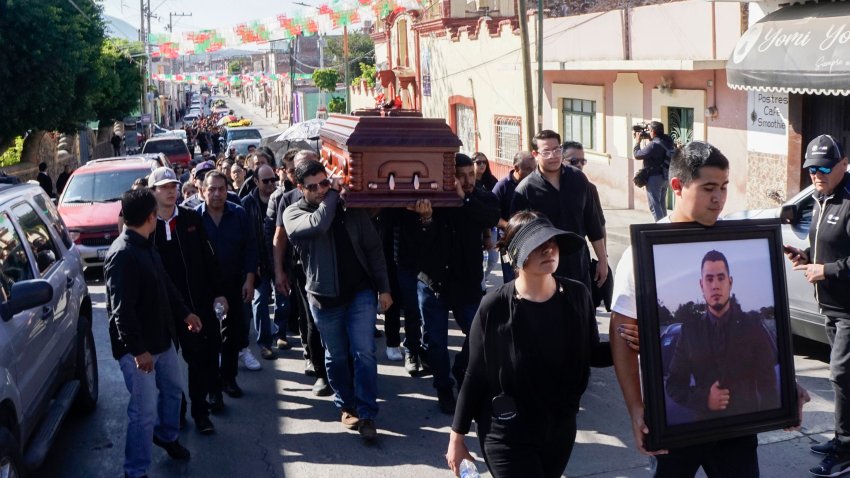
x=829 y=236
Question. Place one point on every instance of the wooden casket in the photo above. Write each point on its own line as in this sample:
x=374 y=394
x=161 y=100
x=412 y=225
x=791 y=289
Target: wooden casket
x=391 y=161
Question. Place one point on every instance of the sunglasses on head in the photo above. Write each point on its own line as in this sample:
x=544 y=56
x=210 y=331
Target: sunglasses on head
x=819 y=169
x=325 y=183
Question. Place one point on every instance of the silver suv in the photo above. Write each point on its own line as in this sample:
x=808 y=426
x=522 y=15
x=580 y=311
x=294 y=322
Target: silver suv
x=47 y=353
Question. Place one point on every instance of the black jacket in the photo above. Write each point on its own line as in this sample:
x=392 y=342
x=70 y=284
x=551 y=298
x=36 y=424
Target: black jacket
x=829 y=237
x=743 y=363
x=656 y=154
x=496 y=355
x=450 y=247
x=256 y=211
x=143 y=305
x=192 y=264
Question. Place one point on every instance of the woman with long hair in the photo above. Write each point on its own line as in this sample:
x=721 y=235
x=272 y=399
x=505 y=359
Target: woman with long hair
x=531 y=346
x=484 y=178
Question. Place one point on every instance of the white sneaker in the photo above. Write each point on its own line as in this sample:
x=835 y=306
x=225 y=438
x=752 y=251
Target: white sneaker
x=394 y=354
x=247 y=359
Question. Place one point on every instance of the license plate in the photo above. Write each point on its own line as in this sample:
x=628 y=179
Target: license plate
x=101 y=254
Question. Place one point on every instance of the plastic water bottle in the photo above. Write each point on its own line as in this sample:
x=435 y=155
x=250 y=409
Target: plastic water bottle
x=468 y=470
x=219 y=310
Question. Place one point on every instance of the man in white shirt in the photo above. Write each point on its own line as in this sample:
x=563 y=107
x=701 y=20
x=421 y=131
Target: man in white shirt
x=699 y=177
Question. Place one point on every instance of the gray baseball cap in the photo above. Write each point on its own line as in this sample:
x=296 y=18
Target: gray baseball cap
x=162 y=176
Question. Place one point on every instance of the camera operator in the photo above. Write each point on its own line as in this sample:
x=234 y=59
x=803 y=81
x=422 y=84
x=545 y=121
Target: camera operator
x=656 y=159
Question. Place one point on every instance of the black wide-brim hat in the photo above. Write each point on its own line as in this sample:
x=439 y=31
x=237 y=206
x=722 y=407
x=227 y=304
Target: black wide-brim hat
x=536 y=233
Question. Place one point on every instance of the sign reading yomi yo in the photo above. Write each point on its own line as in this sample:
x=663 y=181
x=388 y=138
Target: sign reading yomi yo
x=767 y=122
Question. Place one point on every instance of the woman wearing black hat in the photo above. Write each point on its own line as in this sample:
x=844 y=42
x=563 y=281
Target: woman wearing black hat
x=531 y=347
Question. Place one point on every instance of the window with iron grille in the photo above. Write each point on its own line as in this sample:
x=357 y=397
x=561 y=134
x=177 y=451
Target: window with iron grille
x=508 y=136
x=579 y=121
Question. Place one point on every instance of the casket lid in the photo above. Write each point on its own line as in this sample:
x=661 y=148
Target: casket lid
x=375 y=131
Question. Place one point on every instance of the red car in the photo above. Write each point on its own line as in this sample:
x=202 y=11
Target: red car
x=172 y=147
x=91 y=202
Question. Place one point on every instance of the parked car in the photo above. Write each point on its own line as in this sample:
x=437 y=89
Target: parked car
x=241 y=145
x=132 y=141
x=191 y=116
x=173 y=147
x=47 y=350
x=796 y=216
x=90 y=203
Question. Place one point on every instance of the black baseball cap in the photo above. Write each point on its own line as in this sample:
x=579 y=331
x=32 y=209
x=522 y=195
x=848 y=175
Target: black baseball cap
x=823 y=151
x=536 y=233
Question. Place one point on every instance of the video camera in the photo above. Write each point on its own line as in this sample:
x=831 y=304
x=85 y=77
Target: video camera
x=642 y=130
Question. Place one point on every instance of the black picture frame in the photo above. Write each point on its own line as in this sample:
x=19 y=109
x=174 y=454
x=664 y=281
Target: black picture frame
x=685 y=421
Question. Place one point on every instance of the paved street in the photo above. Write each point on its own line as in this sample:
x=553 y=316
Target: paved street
x=280 y=429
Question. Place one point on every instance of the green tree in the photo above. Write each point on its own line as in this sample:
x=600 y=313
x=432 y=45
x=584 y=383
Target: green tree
x=49 y=65
x=325 y=79
x=336 y=105
x=367 y=73
x=120 y=80
x=688 y=311
x=361 y=50
x=234 y=67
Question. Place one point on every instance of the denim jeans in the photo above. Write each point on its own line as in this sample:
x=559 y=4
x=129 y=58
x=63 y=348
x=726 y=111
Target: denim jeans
x=154 y=408
x=348 y=332
x=656 y=194
x=405 y=297
x=435 y=314
x=260 y=310
x=282 y=309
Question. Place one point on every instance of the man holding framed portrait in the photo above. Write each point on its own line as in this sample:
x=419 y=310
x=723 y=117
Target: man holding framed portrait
x=699 y=177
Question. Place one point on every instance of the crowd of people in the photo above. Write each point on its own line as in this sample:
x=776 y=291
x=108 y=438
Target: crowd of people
x=230 y=243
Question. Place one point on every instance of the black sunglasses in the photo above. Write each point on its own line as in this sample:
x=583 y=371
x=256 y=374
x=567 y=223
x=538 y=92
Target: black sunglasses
x=325 y=183
x=819 y=169
x=576 y=161
x=269 y=180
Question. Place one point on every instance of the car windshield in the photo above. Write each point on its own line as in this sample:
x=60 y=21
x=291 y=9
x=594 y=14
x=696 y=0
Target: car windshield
x=234 y=134
x=102 y=186
x=242 y=148
x=167 y=147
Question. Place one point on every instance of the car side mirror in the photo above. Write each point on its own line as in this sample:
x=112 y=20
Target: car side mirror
x=789 y=214
x=26 y=295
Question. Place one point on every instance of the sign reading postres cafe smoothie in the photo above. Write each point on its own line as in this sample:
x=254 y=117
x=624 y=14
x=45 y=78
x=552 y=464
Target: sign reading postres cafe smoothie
x=802 y=48
x=767 y=122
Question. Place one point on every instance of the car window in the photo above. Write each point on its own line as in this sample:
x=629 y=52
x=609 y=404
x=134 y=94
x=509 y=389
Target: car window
x=14 y=263
x=50 y=212
x=38 y=236
x=102 y=186
x=171 y=146
x=805 y=208
x=244 y=134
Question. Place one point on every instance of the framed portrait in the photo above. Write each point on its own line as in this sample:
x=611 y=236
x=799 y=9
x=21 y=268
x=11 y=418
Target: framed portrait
x=716 y=356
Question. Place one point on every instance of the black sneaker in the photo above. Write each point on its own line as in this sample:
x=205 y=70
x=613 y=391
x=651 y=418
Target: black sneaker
x=174 y=449
x=309 y=369
x=367 y=429
x=204 y=425
x=232 y=389
x=832 y=465
x=827 y=448
x=411 y=364
x=446 y=400
x=267 y=353
x=321 y=388
x=424 y=368
x=216 y=402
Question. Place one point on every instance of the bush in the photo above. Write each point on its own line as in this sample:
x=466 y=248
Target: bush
x=336 y=105
x=13 y=154
x=368 y=74
x=325 y=78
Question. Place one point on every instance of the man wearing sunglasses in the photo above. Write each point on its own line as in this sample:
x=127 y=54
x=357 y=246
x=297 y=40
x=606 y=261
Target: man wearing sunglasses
x=347 y=276
x=826 y=264
x=256 y=204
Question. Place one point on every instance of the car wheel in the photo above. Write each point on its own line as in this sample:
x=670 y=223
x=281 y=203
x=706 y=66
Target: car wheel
x=85 y=368
x=11 y=462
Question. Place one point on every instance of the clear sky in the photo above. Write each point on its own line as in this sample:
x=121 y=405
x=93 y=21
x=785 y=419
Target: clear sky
x=677 y=270
x=205 y=13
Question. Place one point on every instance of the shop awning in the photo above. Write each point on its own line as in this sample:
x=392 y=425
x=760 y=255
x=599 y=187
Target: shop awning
x=796 y=49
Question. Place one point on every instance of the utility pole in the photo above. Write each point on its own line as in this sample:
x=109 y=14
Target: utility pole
x=321 y=42
x=144 y=39
x=526 y=69
x=293 y=46
x=345 y=77
x=539 y=65
x=171 y=16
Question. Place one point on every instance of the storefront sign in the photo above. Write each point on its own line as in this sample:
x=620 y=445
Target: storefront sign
x=767 y=122
x=426 y=72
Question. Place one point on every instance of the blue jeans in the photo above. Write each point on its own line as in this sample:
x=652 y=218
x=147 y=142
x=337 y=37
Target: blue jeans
x=348 y=332
x=154 y=408
x=435 y=315
x=260 y=309
x=656 y=194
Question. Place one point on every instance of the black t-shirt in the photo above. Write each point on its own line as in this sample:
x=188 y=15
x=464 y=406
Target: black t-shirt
x=351 y=276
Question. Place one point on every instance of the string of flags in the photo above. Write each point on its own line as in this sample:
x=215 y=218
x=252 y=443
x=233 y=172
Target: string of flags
x=220 y=78
x=310 y=21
